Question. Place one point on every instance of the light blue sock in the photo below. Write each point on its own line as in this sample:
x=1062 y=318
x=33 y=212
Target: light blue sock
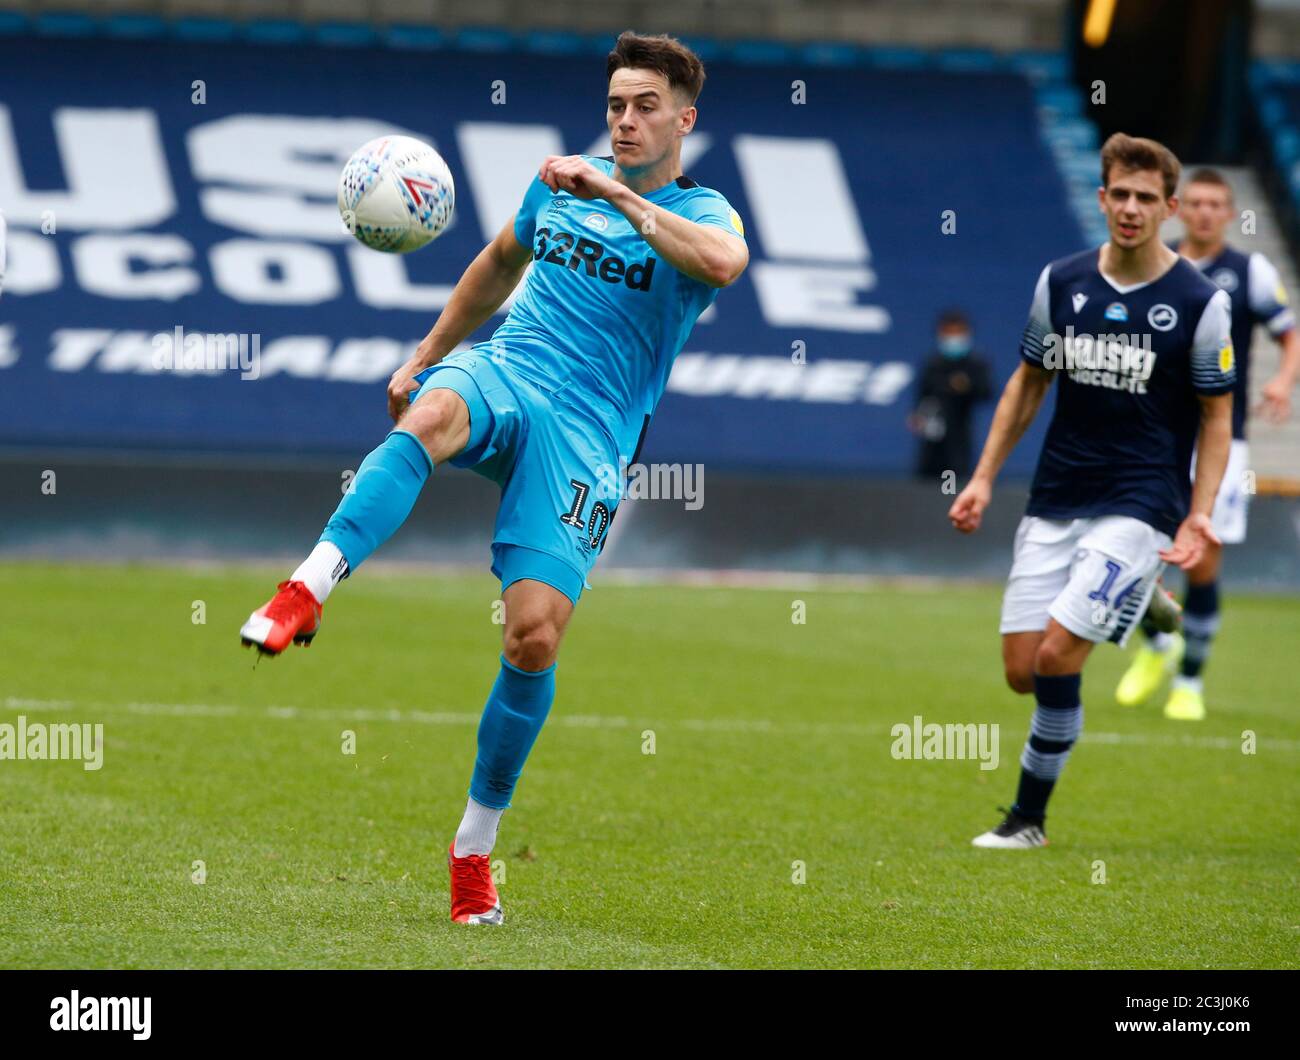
x=380 y=498
x=513 y=717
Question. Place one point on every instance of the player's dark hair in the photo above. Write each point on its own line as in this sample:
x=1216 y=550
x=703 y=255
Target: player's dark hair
x=1137 y=152
x=953 y=318
x=1205 y=175
x=662 y=53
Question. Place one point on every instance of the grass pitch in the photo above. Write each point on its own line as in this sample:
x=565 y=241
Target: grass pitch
x=771 y=760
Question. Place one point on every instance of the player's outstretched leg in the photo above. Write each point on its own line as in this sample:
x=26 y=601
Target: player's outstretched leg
x=1056 y=724
x=378 y=500
x=536 y=615
x=1200 y=623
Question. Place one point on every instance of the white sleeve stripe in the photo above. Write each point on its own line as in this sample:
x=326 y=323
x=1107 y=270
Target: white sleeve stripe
x=1213 y=333
x=1281 y=322
x=1263 y=285
x=1033 y=345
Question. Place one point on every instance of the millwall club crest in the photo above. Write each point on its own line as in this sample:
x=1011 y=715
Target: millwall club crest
x=1225 y=279
x=1162 y=317
x=1117 y=311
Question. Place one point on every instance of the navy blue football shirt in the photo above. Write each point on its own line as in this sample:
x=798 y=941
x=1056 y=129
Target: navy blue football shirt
x=1130 y=361
x=1257 y=297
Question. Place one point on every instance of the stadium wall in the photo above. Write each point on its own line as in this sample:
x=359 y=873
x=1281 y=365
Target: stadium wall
x=142 y=510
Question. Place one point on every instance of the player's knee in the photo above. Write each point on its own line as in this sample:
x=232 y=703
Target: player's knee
x=432 y=418
x=532 y=645
x=1050 y=658
x=1018 y=664
x=1020 y=678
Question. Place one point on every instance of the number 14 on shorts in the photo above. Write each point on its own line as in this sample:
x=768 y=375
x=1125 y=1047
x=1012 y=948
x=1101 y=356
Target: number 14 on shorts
x=1101 y=594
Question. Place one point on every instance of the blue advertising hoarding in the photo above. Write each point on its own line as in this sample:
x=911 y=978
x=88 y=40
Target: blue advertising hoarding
x=151 y=186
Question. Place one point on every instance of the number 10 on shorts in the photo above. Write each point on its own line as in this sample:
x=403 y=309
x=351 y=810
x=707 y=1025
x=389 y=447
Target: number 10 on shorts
x=597 y=524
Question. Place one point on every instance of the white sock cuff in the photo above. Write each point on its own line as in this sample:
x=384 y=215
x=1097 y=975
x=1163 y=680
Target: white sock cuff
x=477 y=833
x=321 y=570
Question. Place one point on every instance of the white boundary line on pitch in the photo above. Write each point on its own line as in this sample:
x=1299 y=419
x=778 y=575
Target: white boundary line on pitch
x=613 y=575
x=595 y=721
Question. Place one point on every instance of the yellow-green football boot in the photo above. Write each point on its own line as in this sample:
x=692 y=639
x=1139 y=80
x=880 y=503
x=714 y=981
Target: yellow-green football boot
x=1185 y=703
x=1147 y=672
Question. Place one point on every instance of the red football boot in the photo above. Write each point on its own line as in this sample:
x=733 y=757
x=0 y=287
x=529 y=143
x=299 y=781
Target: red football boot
x=292 y=614
x=473 y=894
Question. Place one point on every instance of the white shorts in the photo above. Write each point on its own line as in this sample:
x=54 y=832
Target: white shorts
x=1094 y=576
x=1229 y=515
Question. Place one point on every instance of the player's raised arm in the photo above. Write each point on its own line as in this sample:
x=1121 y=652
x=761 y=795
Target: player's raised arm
x=704 y=252
x=479 y=293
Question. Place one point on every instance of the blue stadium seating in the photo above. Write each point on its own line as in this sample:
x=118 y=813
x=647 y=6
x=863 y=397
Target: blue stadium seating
x=1275 y=90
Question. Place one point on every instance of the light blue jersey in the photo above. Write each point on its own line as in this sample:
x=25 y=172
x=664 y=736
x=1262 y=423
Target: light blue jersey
x=599 y=309
x=559 y=398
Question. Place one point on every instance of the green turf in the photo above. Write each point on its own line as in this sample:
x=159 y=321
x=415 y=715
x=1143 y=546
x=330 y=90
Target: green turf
x=772 y=747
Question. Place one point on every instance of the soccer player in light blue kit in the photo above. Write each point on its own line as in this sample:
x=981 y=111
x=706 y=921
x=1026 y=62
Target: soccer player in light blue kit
x=626 y=254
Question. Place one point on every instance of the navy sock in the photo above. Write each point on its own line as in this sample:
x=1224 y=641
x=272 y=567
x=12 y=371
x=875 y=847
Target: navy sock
x=1058 y=719
x=1200 y=623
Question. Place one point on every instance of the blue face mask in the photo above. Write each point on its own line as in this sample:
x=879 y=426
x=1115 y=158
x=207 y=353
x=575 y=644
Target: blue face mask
x=954 y=345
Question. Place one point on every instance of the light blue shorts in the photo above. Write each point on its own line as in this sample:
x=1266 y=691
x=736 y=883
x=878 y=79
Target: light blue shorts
x=558 y=471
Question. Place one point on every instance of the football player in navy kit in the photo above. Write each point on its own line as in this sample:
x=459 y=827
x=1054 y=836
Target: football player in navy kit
x=1138 y=341
x=1258 y=297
